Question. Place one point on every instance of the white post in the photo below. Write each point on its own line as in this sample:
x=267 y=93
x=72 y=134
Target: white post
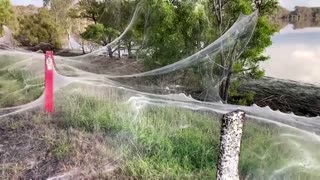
x=230 y=141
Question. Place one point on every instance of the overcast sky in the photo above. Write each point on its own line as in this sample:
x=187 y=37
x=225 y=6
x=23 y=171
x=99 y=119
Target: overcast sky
x=290 y=4
x=27 y=2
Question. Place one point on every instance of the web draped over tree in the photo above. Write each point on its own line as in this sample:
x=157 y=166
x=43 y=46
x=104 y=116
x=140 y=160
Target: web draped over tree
x=178 y=96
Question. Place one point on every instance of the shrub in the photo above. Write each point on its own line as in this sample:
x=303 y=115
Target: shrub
x=38 y=28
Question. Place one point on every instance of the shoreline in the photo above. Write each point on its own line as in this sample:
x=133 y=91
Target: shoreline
x=285 y=95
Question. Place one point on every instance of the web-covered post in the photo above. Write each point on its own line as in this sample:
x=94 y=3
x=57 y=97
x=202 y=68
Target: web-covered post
x=49 y=75
x=231 y=134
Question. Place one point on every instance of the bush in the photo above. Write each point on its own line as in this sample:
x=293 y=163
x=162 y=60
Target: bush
x=6 y=14
x=38 y=28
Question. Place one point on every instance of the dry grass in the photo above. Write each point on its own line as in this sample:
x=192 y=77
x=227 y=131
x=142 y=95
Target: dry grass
x=33 y=147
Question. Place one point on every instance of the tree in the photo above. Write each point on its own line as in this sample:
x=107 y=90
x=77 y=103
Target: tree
x=178 y=28
x=173 y=30
x=88 y=9
x=38 y=28
x=100 y=34
x=60 y=11
x=110 y=17
x=46 y=3
x=6 y=13
x=167 y=31
x=247 y=65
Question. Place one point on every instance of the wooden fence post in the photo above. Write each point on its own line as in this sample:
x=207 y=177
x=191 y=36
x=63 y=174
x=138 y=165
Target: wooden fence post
x=230 y=141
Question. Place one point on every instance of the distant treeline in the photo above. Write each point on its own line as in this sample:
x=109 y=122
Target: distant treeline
x=300 y=17
x=299 y=13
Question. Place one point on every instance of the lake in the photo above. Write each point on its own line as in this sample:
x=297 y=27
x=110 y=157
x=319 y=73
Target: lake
x=295 y=55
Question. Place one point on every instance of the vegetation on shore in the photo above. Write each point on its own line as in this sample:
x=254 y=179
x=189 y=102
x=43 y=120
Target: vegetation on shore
x=162 y=33
x=97 y=133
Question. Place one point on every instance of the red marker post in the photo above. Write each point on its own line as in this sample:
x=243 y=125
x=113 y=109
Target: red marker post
x=48 y=91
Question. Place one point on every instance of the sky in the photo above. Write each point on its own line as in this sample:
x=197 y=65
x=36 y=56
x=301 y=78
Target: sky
x=290 y=4
x=27 y=2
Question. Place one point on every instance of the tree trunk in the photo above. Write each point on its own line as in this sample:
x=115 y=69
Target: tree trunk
x=228 y=74
x=218 y=13
x=110 y=52
x=230 y=141
x=129 y=50
x=94 y=18
x=119 y=50
x=82 y=47
x=227 y=86
x=69 y=39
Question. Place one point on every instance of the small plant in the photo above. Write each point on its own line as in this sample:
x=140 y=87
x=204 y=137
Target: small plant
x=62 y=149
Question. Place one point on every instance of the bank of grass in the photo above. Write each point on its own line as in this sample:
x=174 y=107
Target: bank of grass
x=32 y=147
x=156 y=142
x=174 y=143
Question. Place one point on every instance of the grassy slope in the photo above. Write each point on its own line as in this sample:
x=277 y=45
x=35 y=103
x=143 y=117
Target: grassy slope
x=156 y=143
x=173 y=143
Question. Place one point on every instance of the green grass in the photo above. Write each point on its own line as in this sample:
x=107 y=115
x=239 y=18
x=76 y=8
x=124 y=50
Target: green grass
x=174 y=143
x=62 y=149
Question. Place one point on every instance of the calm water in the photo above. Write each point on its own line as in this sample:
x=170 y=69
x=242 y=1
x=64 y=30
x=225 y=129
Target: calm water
x=295 y=55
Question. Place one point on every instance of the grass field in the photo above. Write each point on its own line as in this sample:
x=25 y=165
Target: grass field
x=102 y=136
x=175 y=143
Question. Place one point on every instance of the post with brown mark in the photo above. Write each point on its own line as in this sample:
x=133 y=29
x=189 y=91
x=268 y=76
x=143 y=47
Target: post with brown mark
x=230 y=141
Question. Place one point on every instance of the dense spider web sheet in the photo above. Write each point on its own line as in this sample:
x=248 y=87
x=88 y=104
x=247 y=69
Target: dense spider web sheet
x=166 y=87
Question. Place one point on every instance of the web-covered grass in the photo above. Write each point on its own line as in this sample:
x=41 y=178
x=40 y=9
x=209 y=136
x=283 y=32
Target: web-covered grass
x=15 y=88
x=14 y=93
x=174 y=143
x=160 y=141
x=101 y=121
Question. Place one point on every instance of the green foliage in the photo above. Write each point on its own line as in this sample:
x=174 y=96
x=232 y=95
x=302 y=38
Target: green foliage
x=110 y=17
x=100 y=34
x=168 y=31
x=241 y=98
x=174 y=30
x=37 y=28
x=248 y=64
x=88 y=9
x=59 y=10
x=6 y=13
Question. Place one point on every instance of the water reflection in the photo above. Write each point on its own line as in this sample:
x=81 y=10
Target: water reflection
x=295 y=55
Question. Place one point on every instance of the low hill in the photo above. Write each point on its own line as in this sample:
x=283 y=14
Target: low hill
x=25 y=10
